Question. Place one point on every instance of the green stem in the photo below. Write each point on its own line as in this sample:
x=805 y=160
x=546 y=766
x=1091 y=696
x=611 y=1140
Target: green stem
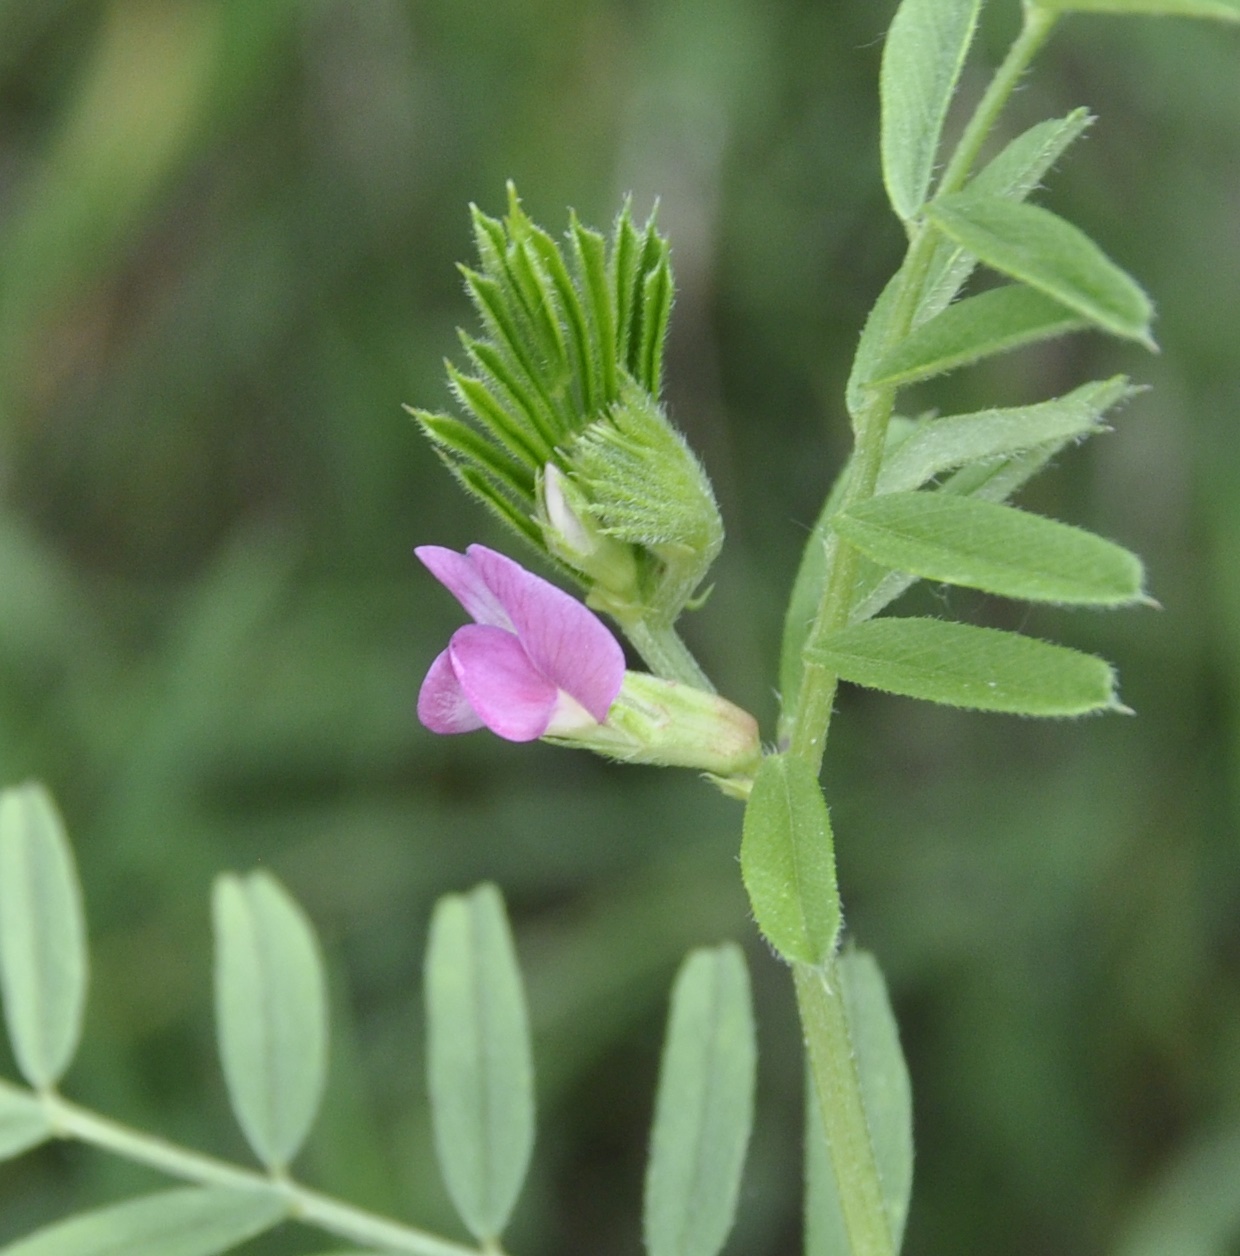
x=665 y=653
x=820 y=1001
x=354 y=1225
x=1037 y=26
x=819 y=997
x=818 y=684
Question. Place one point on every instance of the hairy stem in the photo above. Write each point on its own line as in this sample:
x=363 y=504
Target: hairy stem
x=1037 y=26
x=818 y=685
x=820 y=1001
x=354 y=1225
x=819 y=997
x=665 y=653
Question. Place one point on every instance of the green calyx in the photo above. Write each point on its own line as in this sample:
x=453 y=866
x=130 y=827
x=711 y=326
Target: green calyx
x=645 y=488
x=663 y=722
x=562 y=435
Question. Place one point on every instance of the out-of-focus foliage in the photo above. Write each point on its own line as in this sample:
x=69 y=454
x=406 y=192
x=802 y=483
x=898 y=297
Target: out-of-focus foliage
x=227 y=242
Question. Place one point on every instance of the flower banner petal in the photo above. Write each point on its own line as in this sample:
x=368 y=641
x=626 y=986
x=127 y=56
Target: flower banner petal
x=461 y=577
x=507 y=692
x=442 y=705
x=565 y=641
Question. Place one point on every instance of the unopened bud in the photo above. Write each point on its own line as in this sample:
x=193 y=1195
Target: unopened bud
x=571 y=534
x=645 y=487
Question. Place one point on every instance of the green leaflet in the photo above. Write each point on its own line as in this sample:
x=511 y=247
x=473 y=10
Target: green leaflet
x=657 y=289
x=788 y=861
x=477 y=485
x=185 y=1221
x=590 y=256
x=1222 y=10
x=479 y=1067
x=922 y=59
x=870 y=347
x=43 y=960
x=1021 y=164
x=942 y=444
x=271 y=1013
x=510 y=340
x=23 y=1123
x=977 y=327
x=995 y=548
x=877 y=587
x=704 y=1107
x=1014 y=173
x=1041 y=249
x=964 y=666
x=459 y=444
x=888 y=1100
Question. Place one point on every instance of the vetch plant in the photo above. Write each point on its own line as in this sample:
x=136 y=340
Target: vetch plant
x=562 y=435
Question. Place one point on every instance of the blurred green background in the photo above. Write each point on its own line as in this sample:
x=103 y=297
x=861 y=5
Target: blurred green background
x=228 y=231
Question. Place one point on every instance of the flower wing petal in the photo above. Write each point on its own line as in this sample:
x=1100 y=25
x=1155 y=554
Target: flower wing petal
x=442 y=704
x=502 y=686
x=461 y=577
x=564 y=639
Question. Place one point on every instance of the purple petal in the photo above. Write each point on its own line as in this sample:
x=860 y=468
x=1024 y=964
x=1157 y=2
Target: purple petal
x=506 y=691
x=442 y=705
x=459 y=575
x=564 y=640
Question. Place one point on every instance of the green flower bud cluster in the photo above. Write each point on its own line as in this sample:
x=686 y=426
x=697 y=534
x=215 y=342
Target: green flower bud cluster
x=563 y=436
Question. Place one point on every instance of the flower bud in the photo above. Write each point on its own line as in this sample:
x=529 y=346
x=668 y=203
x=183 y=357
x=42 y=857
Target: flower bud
x=645 y=487
x=609 y=567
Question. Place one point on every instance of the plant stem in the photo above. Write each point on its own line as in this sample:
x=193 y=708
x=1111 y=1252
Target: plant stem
x=819 y=996
x=1037 y=26
x=820 y=1001
x=354 y=1225
x=665 y=653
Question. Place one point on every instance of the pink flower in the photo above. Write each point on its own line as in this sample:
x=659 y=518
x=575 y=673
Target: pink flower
x=534 y=662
